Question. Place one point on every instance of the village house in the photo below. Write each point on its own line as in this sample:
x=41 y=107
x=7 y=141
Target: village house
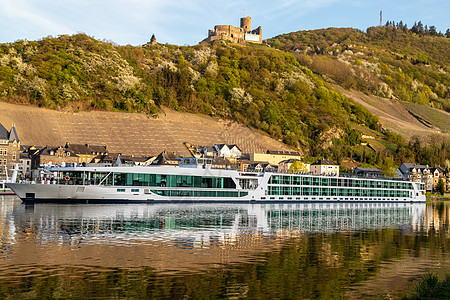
x=9 y=149
x=422 y=173
x=325 y=167
x=86 y=152
x=207 y=151
x=437 y=173
x=367 y=172
x=262 y=167
x=112 y=158
x=167 y=159
x=52 y=155
x=274 y=157
x=230 y=152
x=24 y=162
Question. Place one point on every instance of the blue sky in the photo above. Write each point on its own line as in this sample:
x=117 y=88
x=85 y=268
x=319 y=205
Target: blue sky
x=184 y=22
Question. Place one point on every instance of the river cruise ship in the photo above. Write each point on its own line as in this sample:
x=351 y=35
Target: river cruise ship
x=196 y=181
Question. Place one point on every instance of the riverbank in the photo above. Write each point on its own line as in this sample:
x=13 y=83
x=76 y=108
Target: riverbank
x=429 y=287
x=434 y=197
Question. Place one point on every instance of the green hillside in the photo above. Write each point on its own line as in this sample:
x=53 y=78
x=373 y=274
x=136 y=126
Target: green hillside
x=256 y=85
x=283 y=94
x=412 y=65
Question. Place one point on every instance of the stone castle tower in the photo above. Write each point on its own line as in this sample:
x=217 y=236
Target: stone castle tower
x=233 y=34
x=246 y=24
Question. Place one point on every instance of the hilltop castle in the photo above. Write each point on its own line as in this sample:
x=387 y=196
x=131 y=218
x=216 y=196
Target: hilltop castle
x=236 y=34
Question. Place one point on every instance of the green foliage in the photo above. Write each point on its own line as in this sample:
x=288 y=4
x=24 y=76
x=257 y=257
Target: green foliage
x=255 y=85
x=297 y=167
x=440 y=187
x=390 y=61
x=429 y=287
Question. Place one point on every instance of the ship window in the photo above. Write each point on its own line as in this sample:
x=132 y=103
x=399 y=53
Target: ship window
x=316 y=191
x=316 y=181
x=135 y=190
x=306 y=180
x=120 y=190
x=274 y=179
x=274 y=190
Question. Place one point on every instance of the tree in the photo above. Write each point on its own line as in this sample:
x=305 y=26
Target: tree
x=420 y=27
x=447 y=33
x=298 y=167
x=440 y=187
x=414 y=28
x=433 y=31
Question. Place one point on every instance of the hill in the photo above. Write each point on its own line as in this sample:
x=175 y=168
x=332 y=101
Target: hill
x=283 y=94
x=388 y=61
x=255 y=85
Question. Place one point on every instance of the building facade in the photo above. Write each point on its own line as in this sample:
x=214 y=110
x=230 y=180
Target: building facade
x=274 y=157
x=52 y=155
x=325 y=167
x=428 y=175
x=9 y=150
x=86 y=152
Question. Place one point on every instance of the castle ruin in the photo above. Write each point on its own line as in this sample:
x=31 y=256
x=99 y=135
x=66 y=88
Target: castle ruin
x=233 y=34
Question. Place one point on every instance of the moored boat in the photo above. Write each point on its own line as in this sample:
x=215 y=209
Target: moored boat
x=201 y=183
x=4 y=190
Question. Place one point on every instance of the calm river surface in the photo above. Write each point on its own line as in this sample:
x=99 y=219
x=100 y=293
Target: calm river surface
x=272 y=251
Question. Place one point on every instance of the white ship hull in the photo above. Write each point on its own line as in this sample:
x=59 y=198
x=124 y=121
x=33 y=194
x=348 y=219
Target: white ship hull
x=178 y=185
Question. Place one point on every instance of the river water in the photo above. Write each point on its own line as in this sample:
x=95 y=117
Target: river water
x=272 y=251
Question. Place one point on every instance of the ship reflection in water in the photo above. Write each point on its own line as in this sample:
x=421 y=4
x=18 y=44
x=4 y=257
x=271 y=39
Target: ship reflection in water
x=239 y=249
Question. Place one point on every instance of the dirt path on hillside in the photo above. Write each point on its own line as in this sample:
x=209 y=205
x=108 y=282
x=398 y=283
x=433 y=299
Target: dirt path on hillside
x=391 y=114
x=130 y=133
